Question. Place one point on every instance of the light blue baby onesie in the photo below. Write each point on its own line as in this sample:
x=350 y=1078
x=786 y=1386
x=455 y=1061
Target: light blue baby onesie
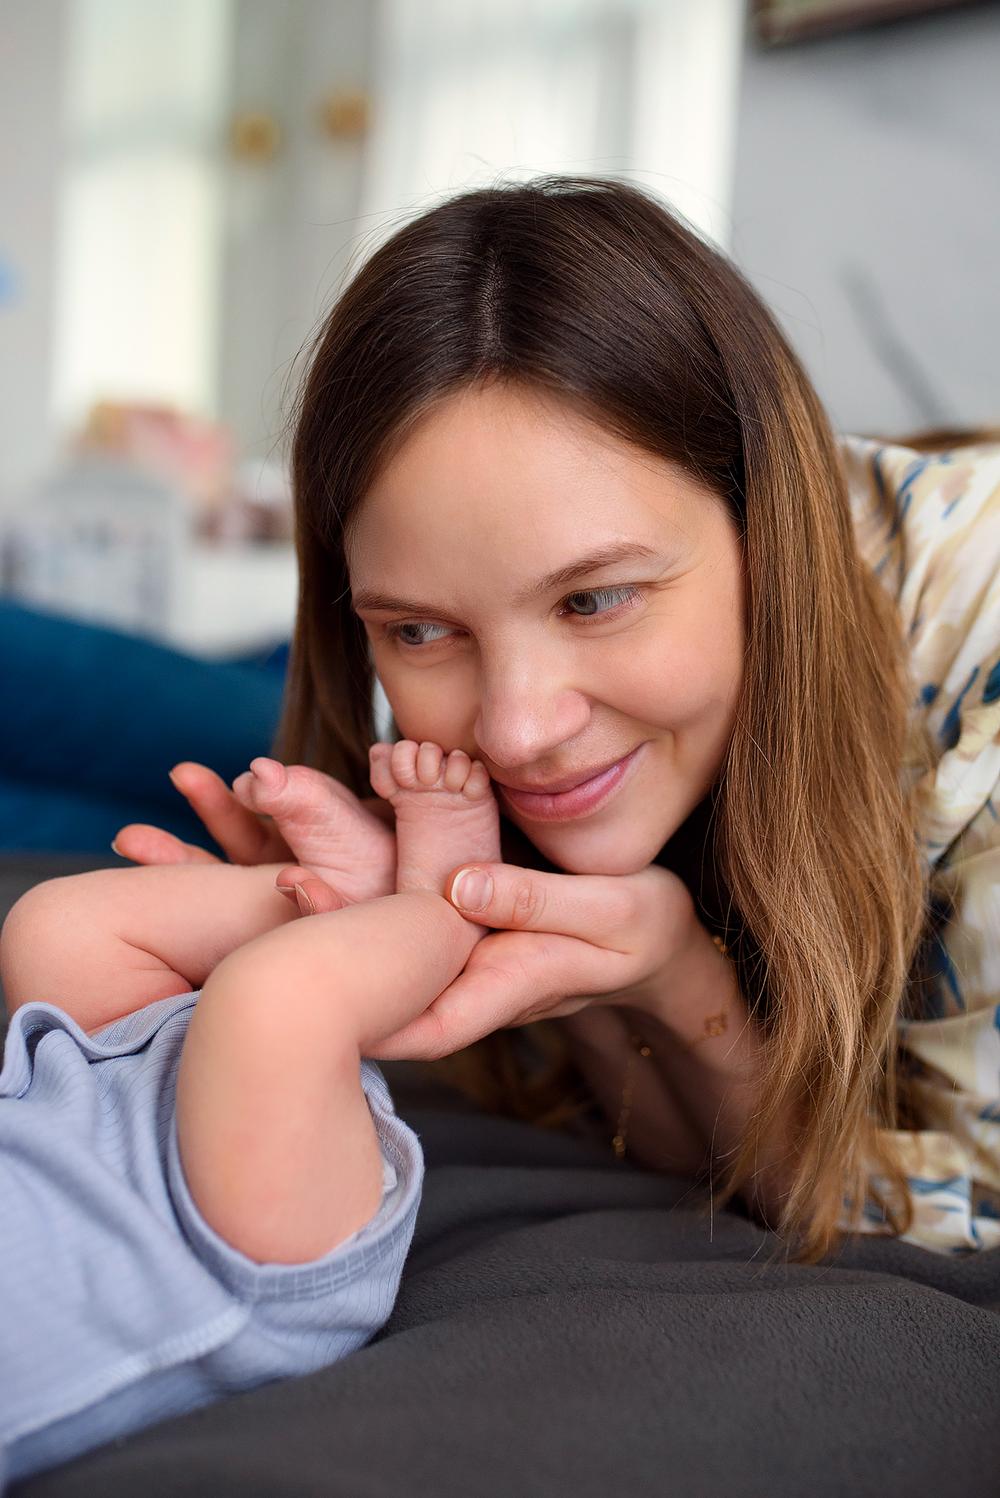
x=119 y=1305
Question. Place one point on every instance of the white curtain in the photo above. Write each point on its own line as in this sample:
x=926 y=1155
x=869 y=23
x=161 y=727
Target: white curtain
x=140 y=203
x=471 y=91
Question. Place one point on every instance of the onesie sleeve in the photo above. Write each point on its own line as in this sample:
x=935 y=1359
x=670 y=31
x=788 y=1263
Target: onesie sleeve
x=307 y=1315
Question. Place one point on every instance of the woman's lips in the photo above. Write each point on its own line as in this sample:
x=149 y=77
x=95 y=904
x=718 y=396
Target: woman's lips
x=581 y=800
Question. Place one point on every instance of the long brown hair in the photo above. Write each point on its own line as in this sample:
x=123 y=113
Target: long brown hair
x=590 y=290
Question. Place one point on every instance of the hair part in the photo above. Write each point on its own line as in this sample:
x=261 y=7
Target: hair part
x=590 y=291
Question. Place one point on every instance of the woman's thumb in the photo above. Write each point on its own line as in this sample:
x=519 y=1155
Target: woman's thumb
x=471 y=890
x=596 y=908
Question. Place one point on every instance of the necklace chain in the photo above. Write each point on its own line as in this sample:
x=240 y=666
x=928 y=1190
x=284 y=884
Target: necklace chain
x=641 y=1048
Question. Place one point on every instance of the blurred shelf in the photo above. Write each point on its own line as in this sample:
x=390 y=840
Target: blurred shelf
x=104 y=543
x=232 y=598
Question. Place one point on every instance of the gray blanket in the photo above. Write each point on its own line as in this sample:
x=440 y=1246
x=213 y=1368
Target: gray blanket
x=572 y=1327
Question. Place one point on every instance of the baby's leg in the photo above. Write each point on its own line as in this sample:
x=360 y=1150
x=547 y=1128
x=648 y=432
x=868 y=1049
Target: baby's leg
x=277 y=1141
x=108 y=942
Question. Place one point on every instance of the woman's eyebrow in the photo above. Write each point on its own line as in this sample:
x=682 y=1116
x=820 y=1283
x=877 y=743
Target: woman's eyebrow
x=605 y=556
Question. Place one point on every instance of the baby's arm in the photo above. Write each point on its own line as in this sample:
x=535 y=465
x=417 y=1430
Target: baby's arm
x=277 y=1140
x=110 y=941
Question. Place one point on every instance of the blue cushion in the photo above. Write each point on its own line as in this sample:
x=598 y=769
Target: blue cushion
x=95 y=719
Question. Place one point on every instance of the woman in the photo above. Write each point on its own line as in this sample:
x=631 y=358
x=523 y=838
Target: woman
x=528 y=373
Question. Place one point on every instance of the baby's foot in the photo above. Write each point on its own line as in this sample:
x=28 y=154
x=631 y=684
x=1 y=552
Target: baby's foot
x=446 y=813
x=325 y=825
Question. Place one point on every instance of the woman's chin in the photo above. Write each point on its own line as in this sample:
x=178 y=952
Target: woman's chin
x=606 y=865
x=598 y=855
x=584 y=847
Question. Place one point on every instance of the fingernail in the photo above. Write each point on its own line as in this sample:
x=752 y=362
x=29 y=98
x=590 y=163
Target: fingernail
x=115 y=849
x=173 y=782
x=472 y=890
x=304 y=899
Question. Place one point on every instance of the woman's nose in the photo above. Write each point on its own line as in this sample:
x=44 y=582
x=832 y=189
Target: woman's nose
x=524 y=716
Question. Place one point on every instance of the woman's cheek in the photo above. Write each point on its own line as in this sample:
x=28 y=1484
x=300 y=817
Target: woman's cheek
x=650 y=687
x=423 y=711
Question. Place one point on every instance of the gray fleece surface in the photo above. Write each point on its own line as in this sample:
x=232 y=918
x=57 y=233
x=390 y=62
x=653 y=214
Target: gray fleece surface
x=572 y=1327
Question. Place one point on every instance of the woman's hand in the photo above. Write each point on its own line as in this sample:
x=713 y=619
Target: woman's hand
x=564 y=941
x=245 y=837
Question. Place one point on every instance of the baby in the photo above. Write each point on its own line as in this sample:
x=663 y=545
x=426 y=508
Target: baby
x=216 y=1191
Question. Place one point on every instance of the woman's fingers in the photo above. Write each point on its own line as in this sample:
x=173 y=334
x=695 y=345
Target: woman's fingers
x=597 y=908
x=142 y=843
x=244 y=836
x=564 y=941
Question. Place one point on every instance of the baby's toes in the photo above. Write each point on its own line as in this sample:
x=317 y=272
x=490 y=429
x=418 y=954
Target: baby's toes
x=456 y=770
x=403 y=764
x=260 y=787
x=243 y=790
x=380 y=770
x=477 y=786
x=429 y=757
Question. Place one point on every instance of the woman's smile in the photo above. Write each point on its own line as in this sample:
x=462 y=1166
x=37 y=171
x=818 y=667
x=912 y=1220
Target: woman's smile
x=580 y=800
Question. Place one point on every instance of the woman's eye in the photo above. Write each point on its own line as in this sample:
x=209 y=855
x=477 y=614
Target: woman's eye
x=603 y=601
x=395 y=632
x=631 y=595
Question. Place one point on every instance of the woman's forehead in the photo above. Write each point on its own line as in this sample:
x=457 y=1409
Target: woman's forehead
x=489 y=480
x=491 y=446
x=525 y=509
x=527 y=537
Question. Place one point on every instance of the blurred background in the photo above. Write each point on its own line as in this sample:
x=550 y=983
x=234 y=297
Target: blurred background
x=185 y=185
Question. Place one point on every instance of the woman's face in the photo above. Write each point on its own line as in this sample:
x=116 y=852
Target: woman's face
x=547 y=681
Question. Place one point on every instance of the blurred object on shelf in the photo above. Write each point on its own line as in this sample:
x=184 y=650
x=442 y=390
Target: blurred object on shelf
x=148 y=528
x=98 y=540
x=346 y=114
x=254 y=136
x=258 y=506
x=188 y=451
x=250 y=501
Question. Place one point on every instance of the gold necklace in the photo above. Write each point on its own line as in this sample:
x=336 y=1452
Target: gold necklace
x=641 y=1048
